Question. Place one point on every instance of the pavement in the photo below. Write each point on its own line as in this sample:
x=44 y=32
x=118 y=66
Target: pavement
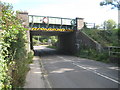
x=34 y=77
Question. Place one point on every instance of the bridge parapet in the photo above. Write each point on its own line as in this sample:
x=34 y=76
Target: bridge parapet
x=51 y=22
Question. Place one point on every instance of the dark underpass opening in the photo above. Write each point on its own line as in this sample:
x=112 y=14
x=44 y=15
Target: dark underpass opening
x=53 y=42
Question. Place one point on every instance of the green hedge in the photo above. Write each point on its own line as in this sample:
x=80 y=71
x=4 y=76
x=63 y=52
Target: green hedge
x=14 y=58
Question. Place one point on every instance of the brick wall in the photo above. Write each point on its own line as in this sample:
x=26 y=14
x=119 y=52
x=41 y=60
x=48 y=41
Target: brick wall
x=23 y=16
x=84 y=39
x=80 y=23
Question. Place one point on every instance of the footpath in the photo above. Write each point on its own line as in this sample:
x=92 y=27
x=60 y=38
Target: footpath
x=34 y=78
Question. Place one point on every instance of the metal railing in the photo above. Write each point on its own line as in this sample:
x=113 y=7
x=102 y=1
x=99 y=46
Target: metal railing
x=114 y=51
x=51 y=20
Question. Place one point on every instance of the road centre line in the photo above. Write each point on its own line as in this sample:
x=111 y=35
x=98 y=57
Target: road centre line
x=94 y=71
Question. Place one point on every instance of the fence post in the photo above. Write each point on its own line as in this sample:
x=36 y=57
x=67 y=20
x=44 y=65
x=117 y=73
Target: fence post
x=109 y=51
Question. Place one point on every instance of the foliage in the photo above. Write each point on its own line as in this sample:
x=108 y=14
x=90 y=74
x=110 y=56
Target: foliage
x=37 y=40
x=110 y=24
x=13 y=53
x=30 y=56
x=87 y=52
x=104 y=37
x=53 y=47
x=114 y=3
x=53 y=39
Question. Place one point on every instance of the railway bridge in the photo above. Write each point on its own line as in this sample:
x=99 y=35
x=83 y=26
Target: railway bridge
x=65 y=28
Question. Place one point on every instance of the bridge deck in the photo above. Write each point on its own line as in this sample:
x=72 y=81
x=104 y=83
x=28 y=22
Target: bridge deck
x=47 y=22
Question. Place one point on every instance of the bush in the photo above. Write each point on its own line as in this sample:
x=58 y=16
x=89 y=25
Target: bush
x=22 y=67
x=30 y=56
x=104 y=57
x=87 y=52
x=104 y=37
x=14 y=59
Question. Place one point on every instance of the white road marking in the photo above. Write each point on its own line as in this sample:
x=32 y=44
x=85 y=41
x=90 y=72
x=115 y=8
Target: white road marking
x=94 y=71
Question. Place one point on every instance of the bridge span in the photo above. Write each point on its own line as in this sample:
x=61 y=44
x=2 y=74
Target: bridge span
x=65 y=28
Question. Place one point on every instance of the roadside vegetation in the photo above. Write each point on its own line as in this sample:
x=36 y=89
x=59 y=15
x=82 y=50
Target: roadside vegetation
x=91 y=53
x=105 y=38
x=14 y=57
x=109 y=36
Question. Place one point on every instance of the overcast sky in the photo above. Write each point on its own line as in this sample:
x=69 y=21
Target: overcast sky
x=90 y=10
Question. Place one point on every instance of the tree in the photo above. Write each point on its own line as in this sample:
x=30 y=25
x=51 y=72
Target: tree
x=109 y=24
x=113 y=3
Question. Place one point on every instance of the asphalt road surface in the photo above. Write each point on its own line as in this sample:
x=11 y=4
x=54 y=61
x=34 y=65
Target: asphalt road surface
x=64 y=71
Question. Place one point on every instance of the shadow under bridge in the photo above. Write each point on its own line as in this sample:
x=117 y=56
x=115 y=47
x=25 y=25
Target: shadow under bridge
x=64 y=28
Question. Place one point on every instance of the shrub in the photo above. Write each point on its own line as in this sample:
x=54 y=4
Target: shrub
x=87 y=52
x=14 y=59
x=104 y=57
x=30 y=56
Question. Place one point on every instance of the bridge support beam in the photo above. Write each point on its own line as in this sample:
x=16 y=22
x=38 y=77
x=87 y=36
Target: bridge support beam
x=67 y=43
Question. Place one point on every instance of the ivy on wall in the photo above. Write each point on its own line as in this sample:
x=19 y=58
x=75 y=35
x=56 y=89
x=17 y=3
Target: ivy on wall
x=14 y=58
